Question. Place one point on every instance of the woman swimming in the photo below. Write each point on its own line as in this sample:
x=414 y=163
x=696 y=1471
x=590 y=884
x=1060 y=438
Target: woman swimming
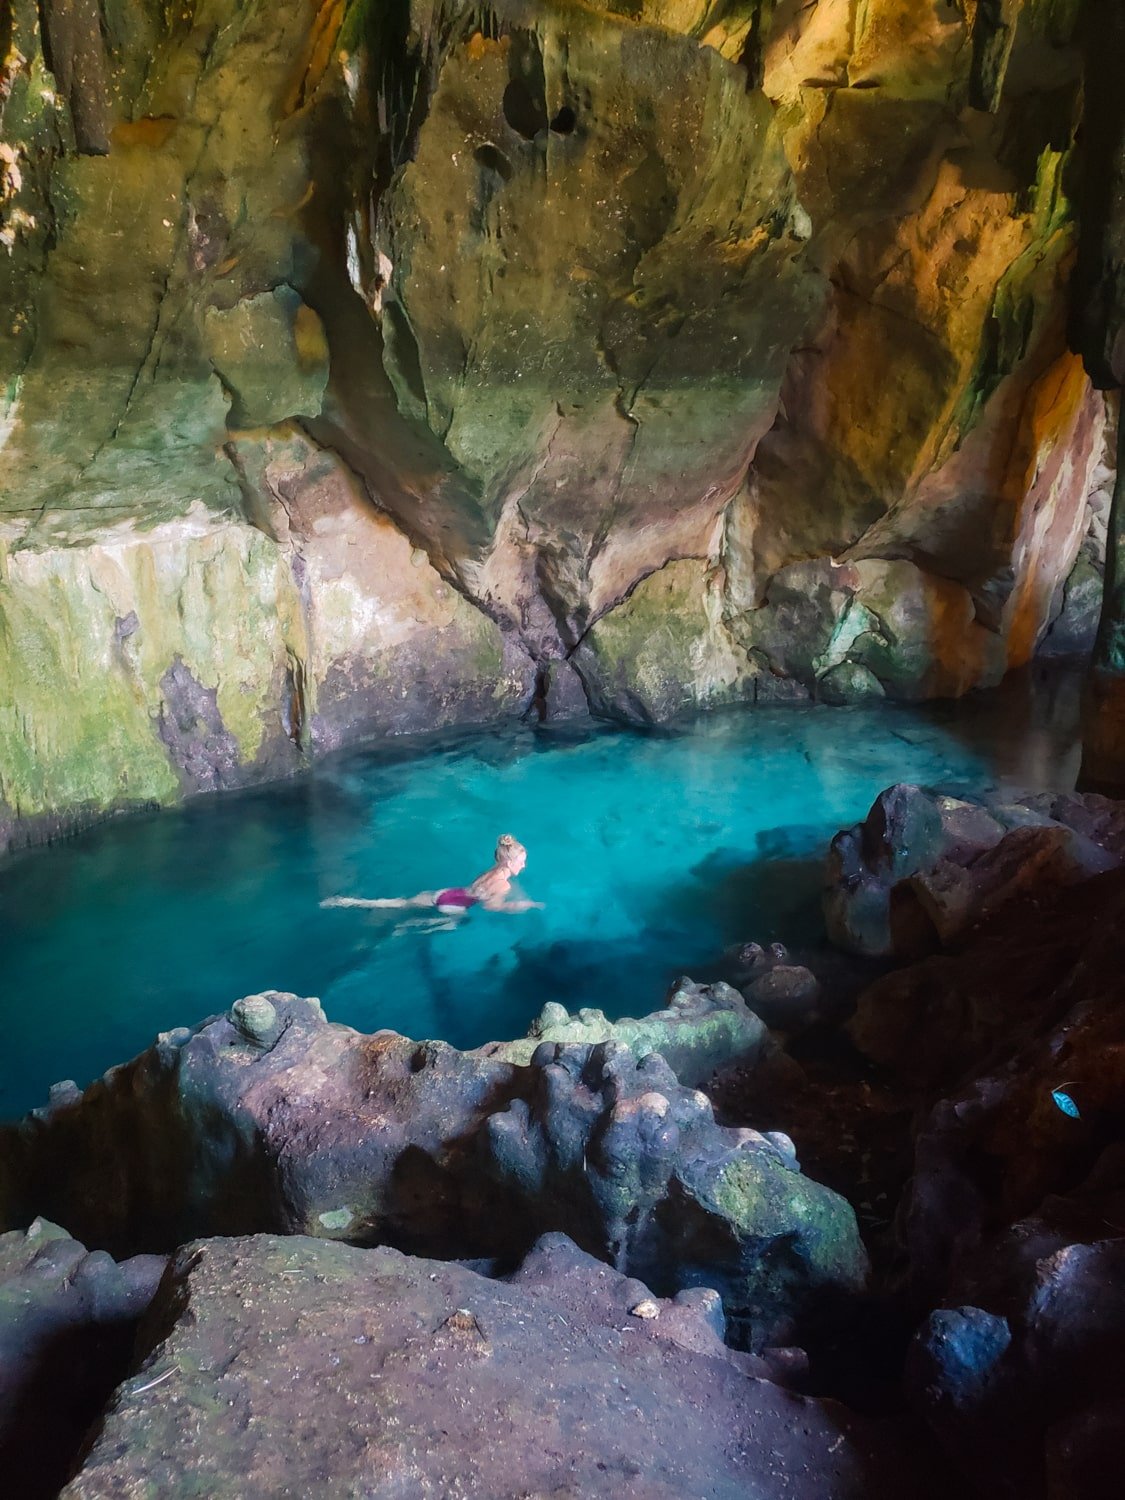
x=490 y=890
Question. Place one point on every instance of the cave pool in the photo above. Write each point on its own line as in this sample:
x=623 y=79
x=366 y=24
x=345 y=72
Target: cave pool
x=652 y=852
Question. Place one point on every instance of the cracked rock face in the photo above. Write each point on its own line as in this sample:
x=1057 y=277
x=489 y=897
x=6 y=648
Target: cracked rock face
x=370 y=368
x=338 y=1371
x=281 y=1121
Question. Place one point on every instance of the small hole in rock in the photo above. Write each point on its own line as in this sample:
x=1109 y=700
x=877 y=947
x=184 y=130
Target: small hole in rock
x=523 y=111
x=565 y=121
x=492 y=160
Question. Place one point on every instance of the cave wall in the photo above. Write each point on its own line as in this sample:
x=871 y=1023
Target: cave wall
x=374 y=366
x=1098 y=331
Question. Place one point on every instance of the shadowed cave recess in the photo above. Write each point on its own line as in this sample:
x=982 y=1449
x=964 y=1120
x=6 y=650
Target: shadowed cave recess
x=414 y=415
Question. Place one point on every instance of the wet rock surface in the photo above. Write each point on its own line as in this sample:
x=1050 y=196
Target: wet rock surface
x=970 y=1112
x=785 y=994
x=1026 y=1384
x=1013 y=1219
x=701 y=1028
x=303 y=1367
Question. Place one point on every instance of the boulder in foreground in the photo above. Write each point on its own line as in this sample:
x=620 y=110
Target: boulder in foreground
x=303 y=1367
x=68 y=1318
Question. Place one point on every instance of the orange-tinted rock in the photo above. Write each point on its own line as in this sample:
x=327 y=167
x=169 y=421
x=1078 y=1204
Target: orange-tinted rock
x=716 y=348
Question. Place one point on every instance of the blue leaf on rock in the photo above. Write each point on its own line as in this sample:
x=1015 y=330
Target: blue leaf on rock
x=1066 y=1104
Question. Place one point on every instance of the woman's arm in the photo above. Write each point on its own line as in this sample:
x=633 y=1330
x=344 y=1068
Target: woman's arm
x=501 y=905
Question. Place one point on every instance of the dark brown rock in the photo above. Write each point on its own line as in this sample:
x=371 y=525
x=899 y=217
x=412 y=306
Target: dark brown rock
x=303 y=1367
x=924 y=865
x=273 y=1119
x=68 y=1318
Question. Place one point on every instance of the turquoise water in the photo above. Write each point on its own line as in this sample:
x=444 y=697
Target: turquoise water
x=651 y=852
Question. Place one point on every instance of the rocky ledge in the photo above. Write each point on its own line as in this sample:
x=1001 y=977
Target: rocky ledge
x=272 y=1118
x=924 y=865
x=645 y=1270
x=1014 y=1219
x=305 y=1367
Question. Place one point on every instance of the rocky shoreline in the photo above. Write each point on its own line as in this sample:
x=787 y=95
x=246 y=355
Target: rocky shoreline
x=613 y=1228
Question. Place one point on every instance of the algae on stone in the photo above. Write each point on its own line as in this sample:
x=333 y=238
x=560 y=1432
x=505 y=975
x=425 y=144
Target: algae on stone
x=701 y=1028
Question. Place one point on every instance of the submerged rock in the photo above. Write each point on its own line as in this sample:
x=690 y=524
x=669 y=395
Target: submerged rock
x=334 y=1371
x=314 y=1128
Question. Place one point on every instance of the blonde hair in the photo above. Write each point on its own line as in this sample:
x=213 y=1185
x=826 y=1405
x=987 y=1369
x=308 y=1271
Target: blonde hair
x=506 y=845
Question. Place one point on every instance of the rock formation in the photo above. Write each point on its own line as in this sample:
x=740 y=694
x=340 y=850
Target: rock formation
x=643 y=1230
x=1098 y=331
x=1013 y=1218
x=274 y=1119
x=369 y=368
x=923 y=865
x=67 y=1323
x=337 y=1371
x=701 y=1028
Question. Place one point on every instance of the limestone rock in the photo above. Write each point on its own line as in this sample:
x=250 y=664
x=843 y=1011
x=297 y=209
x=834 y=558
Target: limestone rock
x=670 y=1194
x=762 y=396
x=1097 y=328
x=849 y=682
x=1098 y=308
x=785 y=996
x=170 y=647
x=1011 y=1048
x=664 y=649
x=202 y=653
x=579 y=276
x=247 y=344
x=318 y=1129
x=67 y=1322
x=924 y=865
x=1030 y=1397
x=701 y=1028
x=332 y=1369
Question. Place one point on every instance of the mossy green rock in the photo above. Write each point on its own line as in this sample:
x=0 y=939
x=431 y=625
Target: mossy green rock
x=808 y=1234
x=101 y=628
x=703 y=402
x=665 y=649
x=270 y=351
x=313 y=1128
x=701 y=1028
